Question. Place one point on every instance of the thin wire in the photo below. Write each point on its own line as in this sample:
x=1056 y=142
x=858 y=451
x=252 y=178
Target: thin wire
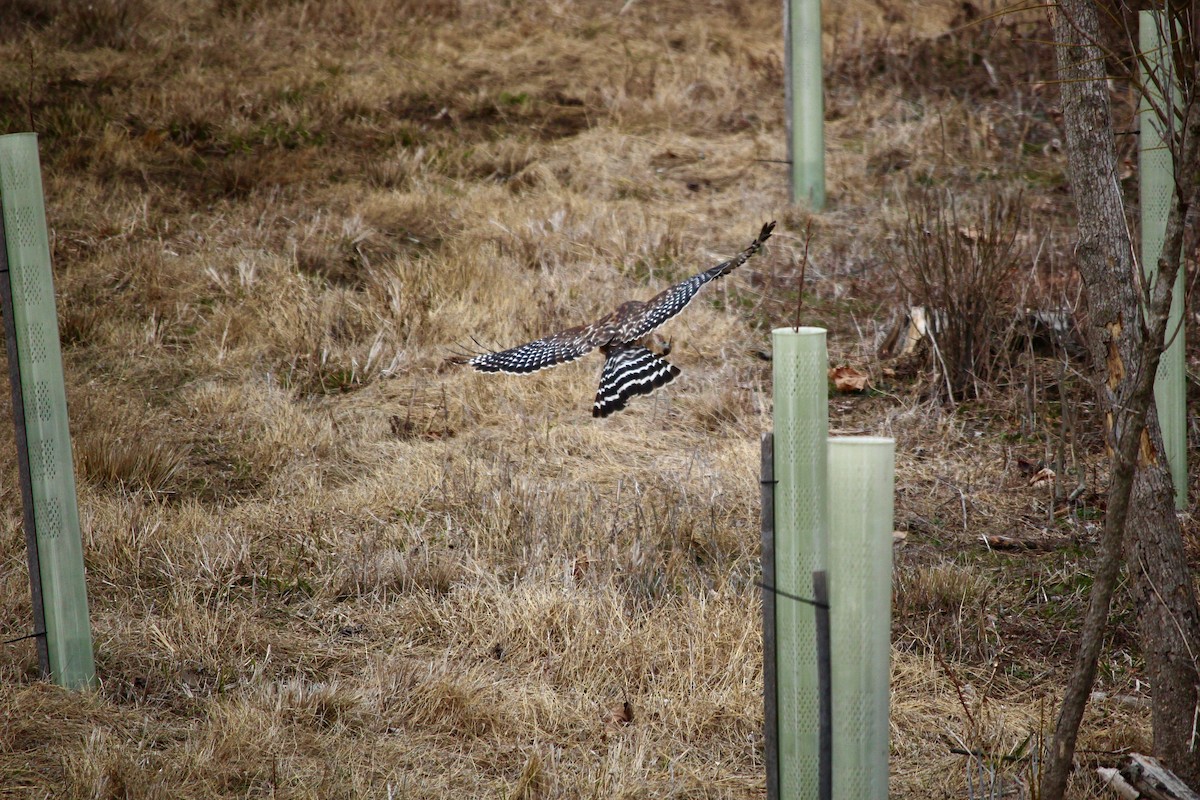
x=23 y=638
x=791 y=596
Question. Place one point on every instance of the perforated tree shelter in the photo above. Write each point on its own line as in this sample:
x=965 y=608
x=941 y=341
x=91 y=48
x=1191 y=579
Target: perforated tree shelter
x=40 y=404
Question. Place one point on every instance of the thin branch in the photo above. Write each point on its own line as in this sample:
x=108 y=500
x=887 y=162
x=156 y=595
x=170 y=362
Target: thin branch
x=803 y=271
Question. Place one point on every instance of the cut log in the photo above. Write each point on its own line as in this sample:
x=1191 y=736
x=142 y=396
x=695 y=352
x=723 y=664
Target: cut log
x=996 y=541
x=1113 y=780
x=1145 y=777
x=1047 y=331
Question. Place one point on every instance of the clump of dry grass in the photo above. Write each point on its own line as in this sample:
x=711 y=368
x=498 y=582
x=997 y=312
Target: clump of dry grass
x=324 y=561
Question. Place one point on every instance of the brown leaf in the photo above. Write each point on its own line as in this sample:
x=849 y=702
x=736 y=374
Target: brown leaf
x=847 y=379
x=581 y=567
x=1042 y=476
x=621 y=714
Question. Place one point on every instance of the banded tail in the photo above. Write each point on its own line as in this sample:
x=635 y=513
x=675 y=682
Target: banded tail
x=628 y=372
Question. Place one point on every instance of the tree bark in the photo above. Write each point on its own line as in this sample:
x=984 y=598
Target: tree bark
x=1164 y=593
x=1125 y=349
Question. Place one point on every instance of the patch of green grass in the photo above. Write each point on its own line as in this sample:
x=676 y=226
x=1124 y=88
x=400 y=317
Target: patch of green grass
x=513 y=98
x=277 y=134
x=1046 y=179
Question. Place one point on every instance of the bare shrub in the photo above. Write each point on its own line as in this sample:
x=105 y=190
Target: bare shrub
x=960 y=265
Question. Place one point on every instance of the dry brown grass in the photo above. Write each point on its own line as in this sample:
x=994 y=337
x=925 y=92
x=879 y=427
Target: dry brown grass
x=323 y=562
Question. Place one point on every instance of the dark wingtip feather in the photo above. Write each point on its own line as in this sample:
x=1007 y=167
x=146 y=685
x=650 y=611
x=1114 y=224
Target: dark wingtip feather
x=463 y=356
x=458 y=355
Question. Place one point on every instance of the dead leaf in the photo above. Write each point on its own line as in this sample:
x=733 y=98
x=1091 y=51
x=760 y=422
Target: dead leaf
x=847 y=379
x=581 y=567
x=621 y=714
x=899 y=537
x=1041 y=476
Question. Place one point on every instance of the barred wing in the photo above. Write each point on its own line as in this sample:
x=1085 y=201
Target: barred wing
x=670 y=302
x=548 y=351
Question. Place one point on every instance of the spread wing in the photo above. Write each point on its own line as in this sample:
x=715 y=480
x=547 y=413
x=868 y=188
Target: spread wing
x=549 y=351
x=670 y=302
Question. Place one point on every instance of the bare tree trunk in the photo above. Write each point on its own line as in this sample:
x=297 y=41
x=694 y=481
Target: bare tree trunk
x=1125 y=350
x=1168 y=622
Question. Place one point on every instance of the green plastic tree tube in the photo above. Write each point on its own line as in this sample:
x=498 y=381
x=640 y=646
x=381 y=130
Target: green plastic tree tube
x=801 y=396
x=805 y=101
x=1156 y=189
x=861 y=487
x=47 y=436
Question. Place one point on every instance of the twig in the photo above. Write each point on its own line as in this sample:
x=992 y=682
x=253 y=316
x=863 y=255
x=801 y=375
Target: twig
x=945 y=370
x=803 y=270
x=962 y=700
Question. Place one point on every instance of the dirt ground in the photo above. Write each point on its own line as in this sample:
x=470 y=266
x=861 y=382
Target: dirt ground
x=326 y=561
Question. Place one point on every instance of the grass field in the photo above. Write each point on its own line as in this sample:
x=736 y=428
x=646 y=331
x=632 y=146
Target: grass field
x=324 y=561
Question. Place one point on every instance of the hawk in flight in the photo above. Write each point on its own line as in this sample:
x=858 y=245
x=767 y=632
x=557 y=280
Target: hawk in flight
x=630 y=368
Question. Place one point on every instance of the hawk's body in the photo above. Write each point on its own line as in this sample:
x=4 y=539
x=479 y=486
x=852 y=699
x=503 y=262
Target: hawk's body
x=629 y=369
